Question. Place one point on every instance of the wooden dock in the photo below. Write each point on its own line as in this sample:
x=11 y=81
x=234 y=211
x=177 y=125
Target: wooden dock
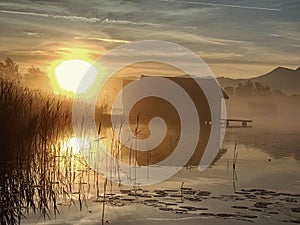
x=243 y=123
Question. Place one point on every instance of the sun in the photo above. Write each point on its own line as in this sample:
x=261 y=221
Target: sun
x=70 y=73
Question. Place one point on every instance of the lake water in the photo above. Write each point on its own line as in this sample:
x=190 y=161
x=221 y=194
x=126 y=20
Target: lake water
x=267 y=182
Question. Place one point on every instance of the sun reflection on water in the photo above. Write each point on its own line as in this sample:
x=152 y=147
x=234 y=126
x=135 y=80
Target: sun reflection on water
x=76 y=145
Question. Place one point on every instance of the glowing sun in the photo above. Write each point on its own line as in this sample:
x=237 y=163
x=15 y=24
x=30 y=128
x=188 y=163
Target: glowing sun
x=70 y=73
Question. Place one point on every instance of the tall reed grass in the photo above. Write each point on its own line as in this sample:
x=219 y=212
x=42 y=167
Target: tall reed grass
x=34 y=171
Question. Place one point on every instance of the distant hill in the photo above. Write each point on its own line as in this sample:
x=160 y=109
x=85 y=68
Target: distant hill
x=287 y=80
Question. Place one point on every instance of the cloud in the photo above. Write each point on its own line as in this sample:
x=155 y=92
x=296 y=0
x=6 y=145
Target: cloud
x=208 y=40
x=223 y=5
x=86 y=19
x=110 y=40
x=71 y=17
x=128 y=22
x=221 y=56
x=32 y=34
x=275 y=35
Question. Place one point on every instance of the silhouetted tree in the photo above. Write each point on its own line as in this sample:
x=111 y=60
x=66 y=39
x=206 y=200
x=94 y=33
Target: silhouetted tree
x=33 y=72
x=36 y=79
x=259 y=89
x=9 y=69
x=262 y=90
x=250 y=89
x=267 y=90
x=240 y=90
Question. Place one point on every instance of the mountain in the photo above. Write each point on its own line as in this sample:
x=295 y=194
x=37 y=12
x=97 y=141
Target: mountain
x=285 y=79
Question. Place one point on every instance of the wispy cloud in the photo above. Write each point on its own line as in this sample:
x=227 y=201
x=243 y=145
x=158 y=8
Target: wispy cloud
x=72 y=18
x=274 y=35
x=224 y=55
x=222 y=5
x=128 y=22
x=111 y=40
x=32 y=34
x=108 y=40
x=197 y=38
x=85 y=19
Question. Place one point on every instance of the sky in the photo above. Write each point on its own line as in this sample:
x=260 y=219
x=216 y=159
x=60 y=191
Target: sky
x=236 y=38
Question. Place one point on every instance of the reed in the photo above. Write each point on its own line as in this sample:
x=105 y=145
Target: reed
x=35 y=171
x=234 y=162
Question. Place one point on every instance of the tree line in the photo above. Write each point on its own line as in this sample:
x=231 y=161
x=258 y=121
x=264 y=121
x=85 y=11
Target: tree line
x=252 y=89
x=10 y=69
